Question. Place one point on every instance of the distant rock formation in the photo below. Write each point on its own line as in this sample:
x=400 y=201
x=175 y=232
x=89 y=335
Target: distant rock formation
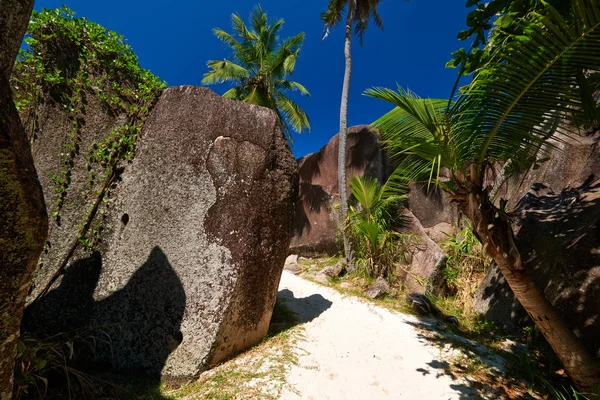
x=317 y=221
x=193 y=240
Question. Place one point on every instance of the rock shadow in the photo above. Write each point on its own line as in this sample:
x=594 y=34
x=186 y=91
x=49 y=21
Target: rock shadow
x=307 y=308
x=312 y=198
x=559 y=240
x=433 y=332
x=133 y=330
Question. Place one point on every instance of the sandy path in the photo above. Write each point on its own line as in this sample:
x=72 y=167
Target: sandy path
x=355 y=350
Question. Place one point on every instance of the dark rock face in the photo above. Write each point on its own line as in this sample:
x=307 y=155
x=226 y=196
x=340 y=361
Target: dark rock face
x=434 y=211
x=558 y=235
x=496 y=302
x=317 y=220
x=23 y=218
x=23 y=228
x=194 y=242
x=559 y=238
x=570 y=164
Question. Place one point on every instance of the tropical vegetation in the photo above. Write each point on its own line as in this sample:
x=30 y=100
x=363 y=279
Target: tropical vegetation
x=261 y=67
x=536 y=77
x=373 y=227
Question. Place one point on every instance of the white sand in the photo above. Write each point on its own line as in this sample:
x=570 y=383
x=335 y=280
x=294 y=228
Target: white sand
x=355 y=350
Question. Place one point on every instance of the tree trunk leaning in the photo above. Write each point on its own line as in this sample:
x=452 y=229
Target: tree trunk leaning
x=14 y=18
x=343 y=135
x=496 y=235
x=23 y=218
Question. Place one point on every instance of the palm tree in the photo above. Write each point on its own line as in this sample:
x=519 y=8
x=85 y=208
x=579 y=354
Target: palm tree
x=261 y=67
x=358 y=14
x=500 y=116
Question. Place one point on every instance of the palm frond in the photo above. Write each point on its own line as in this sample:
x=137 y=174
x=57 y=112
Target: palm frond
x=334 y=13
x=531 y=80
x=262 y=64
x=241 y=29
x=227 y=39
x=366 y=191
x=258 y=97
x=293 y=114
x=415 y=127
x=291 y=85
x=235 y=93
x=223 y=71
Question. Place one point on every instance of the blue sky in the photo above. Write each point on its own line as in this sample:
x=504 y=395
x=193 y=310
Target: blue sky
x=174 y=40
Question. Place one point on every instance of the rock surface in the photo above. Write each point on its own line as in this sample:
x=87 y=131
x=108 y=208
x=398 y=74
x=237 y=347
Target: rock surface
x=496 y=302
x=434 y=211
x=316 y=223
x=426 y=260
x=194 y=241
x=558 y=238
x=379 y=289
x=23 y=218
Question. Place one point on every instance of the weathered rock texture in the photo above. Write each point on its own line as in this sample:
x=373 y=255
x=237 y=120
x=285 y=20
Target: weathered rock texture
x=558 y=238
x=23 y=219
x=316 y=223
x=437 y=216
x=54 y=141
x=426 y=261
x=194 y=242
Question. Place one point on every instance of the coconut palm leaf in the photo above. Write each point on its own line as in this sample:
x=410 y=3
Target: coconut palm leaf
x=260 y=68
x=224 y=71
x=294 y=115
x=416 y=135
x=532 y=80
x=290 y=86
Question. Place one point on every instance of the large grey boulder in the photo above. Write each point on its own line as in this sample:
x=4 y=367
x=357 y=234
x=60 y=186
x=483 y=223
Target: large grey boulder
x=194 y=241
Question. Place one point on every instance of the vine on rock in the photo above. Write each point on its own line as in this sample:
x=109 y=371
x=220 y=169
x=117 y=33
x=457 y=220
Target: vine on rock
x=67 y=61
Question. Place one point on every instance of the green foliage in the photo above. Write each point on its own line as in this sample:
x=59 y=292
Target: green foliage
x=505 y=111
x=261 y=67
x=67 y=56
x=372 y=227
x=40 y=362
x=466 y=259
x=67 y=60
x=362 y=12
x=491 y=24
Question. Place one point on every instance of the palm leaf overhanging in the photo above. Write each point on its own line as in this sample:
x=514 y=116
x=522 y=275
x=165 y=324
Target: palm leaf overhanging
x=509 y=104
x=261 y=68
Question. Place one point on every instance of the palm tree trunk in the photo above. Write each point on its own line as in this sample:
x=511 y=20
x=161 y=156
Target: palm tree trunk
x=23 y=218
x=494 y=231
x=343 y=135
